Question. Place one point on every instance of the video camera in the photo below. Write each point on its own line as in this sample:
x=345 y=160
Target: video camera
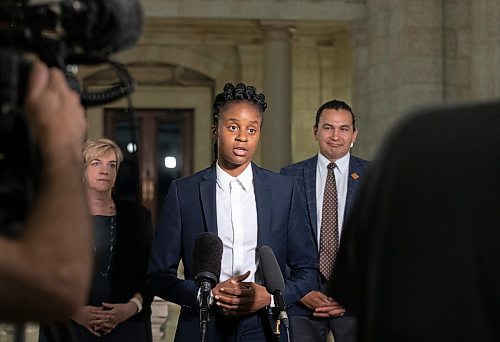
x=62 y=33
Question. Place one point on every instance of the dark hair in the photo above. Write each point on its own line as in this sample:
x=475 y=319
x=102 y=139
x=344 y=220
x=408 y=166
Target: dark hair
x=335 y=104
x=239 y=93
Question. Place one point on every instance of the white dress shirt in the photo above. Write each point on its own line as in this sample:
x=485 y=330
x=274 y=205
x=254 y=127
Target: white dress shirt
x=236 y=223
x=341 y=179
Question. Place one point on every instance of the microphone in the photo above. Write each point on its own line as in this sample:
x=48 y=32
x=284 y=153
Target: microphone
x=101 y=27
x=207 y=266
x=273 y=280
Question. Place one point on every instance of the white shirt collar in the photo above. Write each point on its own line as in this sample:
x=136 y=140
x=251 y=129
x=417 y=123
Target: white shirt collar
x=245 y=178
x=342 y=163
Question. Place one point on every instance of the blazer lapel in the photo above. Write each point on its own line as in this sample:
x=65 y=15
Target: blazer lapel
x=207 y=196
x=310 y=190
x=354 y=180
x=263 y=203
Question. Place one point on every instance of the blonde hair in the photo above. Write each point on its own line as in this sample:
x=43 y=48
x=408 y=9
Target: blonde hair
x=95 y=148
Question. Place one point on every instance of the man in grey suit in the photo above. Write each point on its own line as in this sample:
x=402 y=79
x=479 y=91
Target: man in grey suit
x=335 y=131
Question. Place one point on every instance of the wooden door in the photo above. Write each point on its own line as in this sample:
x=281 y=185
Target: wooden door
x=157 y=147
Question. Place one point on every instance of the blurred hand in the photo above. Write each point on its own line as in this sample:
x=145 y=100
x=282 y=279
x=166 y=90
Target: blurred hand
x=54 y=111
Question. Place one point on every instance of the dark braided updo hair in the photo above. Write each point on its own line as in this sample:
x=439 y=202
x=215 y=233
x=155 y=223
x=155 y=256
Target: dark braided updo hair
x=234 y=94
x=239 y=93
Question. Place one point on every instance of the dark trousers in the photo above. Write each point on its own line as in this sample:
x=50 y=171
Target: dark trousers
x=312 y=329
x=248 y=328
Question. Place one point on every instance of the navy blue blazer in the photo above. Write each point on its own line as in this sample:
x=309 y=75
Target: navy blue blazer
x=304 y=173
x=190 y=209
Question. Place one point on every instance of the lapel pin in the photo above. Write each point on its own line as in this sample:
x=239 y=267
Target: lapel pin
x=354 y=175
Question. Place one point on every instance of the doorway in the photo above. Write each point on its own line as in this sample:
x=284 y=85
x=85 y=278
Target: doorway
x=157 y=147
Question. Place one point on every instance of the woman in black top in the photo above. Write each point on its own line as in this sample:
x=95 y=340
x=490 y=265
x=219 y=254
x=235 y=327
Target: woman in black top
x=118 y=308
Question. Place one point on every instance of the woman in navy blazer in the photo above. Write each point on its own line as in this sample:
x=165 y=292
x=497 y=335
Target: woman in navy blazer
x=191 y=208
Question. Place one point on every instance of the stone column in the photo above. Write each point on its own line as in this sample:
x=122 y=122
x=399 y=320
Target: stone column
x=398 y=65
x=484 y=46
x=276 y=143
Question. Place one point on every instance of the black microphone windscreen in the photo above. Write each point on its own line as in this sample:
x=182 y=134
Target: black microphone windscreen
x=270 y=269
x=207 y=254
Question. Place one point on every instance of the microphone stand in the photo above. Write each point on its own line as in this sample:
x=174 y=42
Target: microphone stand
x=276 y=330
x=282 y=317
x=205 y=301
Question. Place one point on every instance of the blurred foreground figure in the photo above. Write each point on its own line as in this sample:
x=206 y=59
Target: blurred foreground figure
x=45 y=274
x=420 y=258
